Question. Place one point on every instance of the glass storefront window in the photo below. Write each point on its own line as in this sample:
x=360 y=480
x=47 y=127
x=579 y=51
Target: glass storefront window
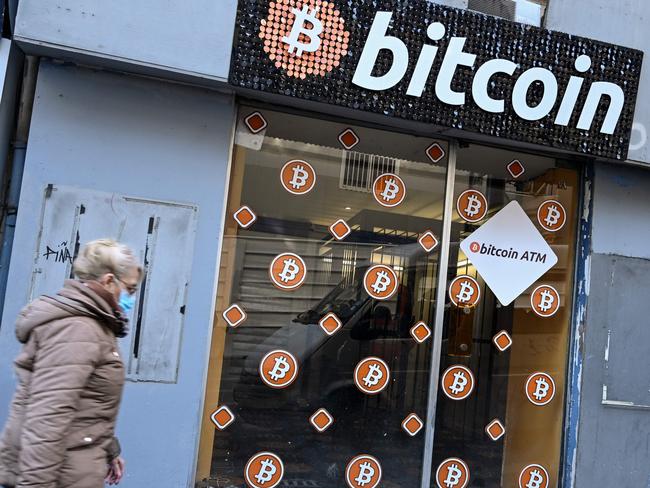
x=288 y=272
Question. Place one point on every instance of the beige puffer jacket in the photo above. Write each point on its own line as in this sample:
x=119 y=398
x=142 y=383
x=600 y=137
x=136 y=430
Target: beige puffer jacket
x=60 y=430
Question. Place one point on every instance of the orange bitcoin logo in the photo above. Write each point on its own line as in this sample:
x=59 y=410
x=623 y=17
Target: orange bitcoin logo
x=364 y=471
x=464 y=291
x=371 y=375
x=288 y=271
x=380 y=282
x=452 y=473
x=533 y=476
x=389 y=190
x=264 y=470
x=545 y=300
x=457 y=382
x=298 y=177
x=540 y=389
x=304 y=37
x=278 y=369
x=472 y=205
x=551 y=215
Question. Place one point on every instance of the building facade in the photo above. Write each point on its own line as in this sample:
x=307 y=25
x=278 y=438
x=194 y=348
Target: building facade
x=386 y=243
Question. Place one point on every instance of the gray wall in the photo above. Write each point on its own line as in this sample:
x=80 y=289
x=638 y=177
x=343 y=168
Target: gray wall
x=623 y=22
x=614 y=442
x=190 y=37
x=143 y=138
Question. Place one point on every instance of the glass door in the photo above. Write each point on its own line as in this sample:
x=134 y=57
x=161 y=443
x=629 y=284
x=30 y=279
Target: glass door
x=322 y=345
x=354 y=343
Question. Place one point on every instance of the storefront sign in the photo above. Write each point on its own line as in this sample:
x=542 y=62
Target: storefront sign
x=451 y=68
x=509 y=252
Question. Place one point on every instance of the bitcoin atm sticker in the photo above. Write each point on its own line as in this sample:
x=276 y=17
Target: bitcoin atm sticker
x=288 y=271
x=457 y=382
x=533 y=476
x=452 y=473
x=264 y=470
x=551 y=215
x=540 y=389
x=278 y=369
x=389 y=190
x=380 y=282
x=298 y=177
x=472 y=205
x=371 y=375
x=364 y=471
x=545 y=301
x=464 y=291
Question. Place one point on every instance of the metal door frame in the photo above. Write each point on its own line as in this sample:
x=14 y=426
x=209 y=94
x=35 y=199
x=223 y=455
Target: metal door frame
x=441 y=292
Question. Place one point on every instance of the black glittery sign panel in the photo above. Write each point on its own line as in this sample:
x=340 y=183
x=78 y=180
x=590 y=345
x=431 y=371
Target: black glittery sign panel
x=262 y=61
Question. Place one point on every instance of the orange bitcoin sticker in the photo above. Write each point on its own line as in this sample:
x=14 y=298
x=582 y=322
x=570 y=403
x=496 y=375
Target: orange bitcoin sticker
x=551 y=215
x=321 y=420
x=428 y=241
x=420 y=332
x=457 y=382
x=364 y=471
x=495 y=430
x=245 y=217
x=264 y=470
x=540 y=389
x=389 y=190
x=472 y=205
x=255 y=122
x=234 y=315
x=222 y=417
x=516 y=168
x=502 y=340
x=348 y=139
x=340 y=229
x=380 y=282
x=452 y=473
x=278 y=369
x=435 y=152
x=330 y=323
x=288 y=271
x=533 y=476
x=371 y=375
x=298 y=177
x=545 y=301
x=412 y=424
x=464 y=292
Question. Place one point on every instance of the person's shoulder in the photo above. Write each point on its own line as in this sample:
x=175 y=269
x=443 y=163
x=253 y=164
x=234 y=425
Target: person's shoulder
x=76 y=328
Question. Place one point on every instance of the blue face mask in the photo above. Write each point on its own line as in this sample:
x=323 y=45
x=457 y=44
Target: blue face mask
x=127 y=301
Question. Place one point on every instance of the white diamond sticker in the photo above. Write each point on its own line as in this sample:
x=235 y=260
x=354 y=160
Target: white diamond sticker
x=509 y=252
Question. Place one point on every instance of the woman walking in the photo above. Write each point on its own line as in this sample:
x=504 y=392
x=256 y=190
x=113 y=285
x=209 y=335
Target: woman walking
x=60 y=430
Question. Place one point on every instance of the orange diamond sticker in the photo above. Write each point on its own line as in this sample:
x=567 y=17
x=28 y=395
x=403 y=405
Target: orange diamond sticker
x=340 y=229
x=245 y=217
x=412 y=424
x=435 y=152
x=516 y=169
x=428 y=241
x=234 y=315
x=255 y=122
x=330 y=323
x=222 y=417
x=420 y=332
x=502 y=340
x=495 y=430
x=348 y=139
x=321 y=420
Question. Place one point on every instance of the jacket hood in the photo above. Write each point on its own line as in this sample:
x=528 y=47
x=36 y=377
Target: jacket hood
x=76 y=299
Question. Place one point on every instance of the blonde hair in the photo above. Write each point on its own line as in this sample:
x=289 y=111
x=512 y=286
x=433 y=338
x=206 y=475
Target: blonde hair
x=103 y=256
